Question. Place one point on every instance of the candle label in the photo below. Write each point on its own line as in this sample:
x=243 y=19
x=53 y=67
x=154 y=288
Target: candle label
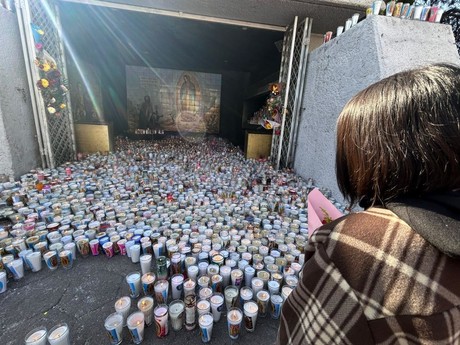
x=262 y=307
x=204 y=334
x=190 y=304
x=234 y=330
x=161 y=296
x=51 y=261
x=162 y=272
x=161 y=327
x=132 y=286
x=249 y=323
x=113 y=336
x=176 y=267
x=149 y=288
x=276 y=310
x=135 y=336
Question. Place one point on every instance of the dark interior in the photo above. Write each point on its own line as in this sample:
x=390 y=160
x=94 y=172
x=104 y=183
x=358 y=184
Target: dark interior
x=248 y=59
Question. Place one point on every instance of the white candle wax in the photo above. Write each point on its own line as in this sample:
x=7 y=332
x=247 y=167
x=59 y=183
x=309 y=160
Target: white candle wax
x=60 y=336
x=258 y=283
x=205 y=320
x=189 y=287
x=160 y=311
x=192 y=272
x=122 y=303
x=231 y=293
x=133 y=277
x=203 y=307
x=225 y=270
x=145 y=304
x=148 y=279
x=217 y=299
x=189 y=284
x=177 y=279
x=235 y=316
x=246 y=292
x=250 y=308
x=263 y=296
x=175 y=309
x=37 y=338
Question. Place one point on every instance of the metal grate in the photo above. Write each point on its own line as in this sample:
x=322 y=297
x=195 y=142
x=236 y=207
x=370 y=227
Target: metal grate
x=44 y=15
x=292 y=74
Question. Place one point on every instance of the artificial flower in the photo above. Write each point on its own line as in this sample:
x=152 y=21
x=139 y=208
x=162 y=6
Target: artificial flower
x=40 y=32
x=43 y=83
x=54 y=74
x=51 y=110
x=63 y=88
x=46 y=67
x=62 y=106
x=52 y=100
x=38 y=46
x=275 y=88
x=267 y=125
x=270 y=124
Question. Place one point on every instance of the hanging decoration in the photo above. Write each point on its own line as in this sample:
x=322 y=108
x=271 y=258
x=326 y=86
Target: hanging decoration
x=269 y=116
x=51 y=84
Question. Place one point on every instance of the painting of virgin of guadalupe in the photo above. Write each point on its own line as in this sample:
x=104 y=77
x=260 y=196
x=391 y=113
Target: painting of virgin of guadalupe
x=173 y=100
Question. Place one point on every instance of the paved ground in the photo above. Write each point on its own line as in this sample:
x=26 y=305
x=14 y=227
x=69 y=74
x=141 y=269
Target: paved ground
x=84 y=296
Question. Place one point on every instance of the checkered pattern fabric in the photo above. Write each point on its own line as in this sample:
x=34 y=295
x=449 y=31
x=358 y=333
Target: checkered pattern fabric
x=370 y=278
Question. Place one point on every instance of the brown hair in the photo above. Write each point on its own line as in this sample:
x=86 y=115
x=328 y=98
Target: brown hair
x=401 y=136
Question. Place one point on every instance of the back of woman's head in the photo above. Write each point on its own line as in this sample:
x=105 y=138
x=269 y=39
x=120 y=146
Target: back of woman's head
x=401 y=137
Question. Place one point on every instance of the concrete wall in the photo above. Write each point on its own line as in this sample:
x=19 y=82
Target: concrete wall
x=18 y=144
x=373 y=49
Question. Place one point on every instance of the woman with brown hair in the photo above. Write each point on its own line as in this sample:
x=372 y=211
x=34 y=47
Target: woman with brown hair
x=391 y=273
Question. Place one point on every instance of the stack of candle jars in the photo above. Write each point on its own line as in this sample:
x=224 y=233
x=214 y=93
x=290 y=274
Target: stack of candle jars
x=201 y=214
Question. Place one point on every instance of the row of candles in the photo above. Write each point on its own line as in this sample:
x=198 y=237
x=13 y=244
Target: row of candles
x=58 y=335
x=406 y=10
x=210 y=274
x=29 y=252
x=173 y=198
x=256 y=296
x=149 y=131
x=392 y=9
x=211 y=280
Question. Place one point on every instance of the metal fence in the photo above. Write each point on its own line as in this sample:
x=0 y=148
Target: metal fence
x=292 y=76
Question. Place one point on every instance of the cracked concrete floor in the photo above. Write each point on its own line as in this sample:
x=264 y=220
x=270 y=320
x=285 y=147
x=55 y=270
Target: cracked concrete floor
x=84 y=296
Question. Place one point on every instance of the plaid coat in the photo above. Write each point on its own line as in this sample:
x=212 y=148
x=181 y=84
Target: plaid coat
x=369 y=278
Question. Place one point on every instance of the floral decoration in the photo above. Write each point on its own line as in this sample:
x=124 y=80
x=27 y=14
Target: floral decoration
x=51 y=84
x=327 y=218
x=269 y=116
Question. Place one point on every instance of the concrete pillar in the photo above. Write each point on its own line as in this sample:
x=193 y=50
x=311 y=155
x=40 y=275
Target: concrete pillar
x=18 y=143
x=375 y=48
